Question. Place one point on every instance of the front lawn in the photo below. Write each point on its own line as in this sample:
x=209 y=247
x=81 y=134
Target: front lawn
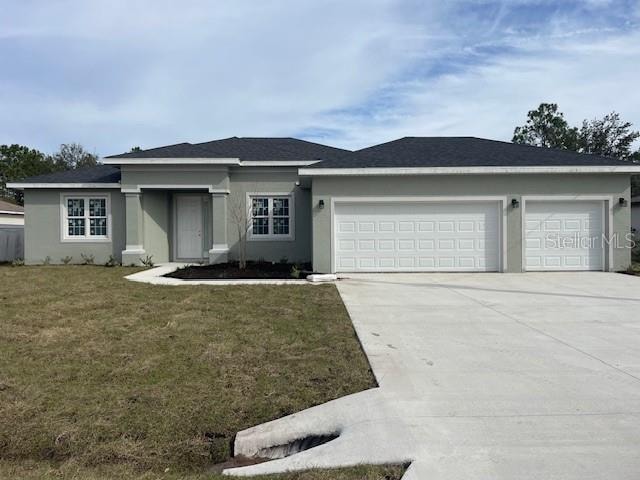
x=105 y=378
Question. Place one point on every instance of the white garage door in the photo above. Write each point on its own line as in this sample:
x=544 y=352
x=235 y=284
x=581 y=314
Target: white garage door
x=564 y=235
x=417 y=236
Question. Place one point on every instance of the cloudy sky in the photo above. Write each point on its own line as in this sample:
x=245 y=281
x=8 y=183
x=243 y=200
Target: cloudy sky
x=119 y=73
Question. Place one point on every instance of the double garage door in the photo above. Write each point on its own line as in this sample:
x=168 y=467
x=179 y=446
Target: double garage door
x=417 y=236
x=462 y=236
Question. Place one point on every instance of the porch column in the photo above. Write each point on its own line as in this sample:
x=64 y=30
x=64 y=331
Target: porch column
x=134 y=231
x=219 y=252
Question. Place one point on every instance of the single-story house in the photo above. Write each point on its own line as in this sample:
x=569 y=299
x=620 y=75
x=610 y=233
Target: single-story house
x=11 y=231
x=414 y=204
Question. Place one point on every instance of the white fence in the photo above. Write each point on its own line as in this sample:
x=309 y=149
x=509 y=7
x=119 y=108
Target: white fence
x=11 y=242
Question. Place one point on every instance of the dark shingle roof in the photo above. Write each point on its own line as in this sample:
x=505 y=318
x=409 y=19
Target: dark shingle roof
x=97 y=174
x=404 y=152
x=244 y=148
x=462 y=152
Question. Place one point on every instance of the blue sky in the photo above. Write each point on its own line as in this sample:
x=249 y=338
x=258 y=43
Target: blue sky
x=119 y=73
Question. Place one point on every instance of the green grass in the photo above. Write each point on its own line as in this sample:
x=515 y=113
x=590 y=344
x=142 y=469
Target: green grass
x=105 y=378
x=69 y=471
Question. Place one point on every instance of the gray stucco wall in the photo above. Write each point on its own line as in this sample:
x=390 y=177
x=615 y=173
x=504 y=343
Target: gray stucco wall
x=42 y=230
x=512 y=186
x=156 y=208
x=216 y=177
x=273 y=180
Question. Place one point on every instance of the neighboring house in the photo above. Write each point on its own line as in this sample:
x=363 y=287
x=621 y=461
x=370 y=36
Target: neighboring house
x=11 y=231
x=414 y=204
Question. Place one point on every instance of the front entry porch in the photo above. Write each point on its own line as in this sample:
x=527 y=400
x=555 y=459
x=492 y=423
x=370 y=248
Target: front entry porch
x=177 y=225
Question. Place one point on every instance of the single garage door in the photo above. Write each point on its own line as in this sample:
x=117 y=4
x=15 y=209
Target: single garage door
x=417 y=237
x=564 y=235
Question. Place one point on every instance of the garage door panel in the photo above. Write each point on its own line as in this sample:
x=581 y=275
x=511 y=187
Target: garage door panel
x=426 y=226
x=346 y=227
x=417 y=236
x=564 y=235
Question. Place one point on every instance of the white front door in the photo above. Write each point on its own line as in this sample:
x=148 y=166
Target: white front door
x=417 y=236
x=564 y=235
x=189 y=229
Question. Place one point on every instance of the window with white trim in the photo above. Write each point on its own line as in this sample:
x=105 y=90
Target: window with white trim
x=85 y=217
x=271 y=217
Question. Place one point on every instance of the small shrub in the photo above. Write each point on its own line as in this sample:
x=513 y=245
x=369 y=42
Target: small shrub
x=18 y=262
x=111 y=262
x=66 y=260
x=88 y=259
x=147 y=261
x=295 y=271
x=47 y=260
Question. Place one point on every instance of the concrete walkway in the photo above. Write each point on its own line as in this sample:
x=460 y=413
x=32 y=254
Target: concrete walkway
x=156 y=276
x=501 y=376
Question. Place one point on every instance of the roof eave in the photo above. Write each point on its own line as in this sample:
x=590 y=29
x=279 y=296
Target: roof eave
x=233 y=162
x=22 y=186
x=171 y=161
x=371 y=171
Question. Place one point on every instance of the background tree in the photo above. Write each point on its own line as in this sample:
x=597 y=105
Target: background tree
x=546 y=127
x=18 y=162
x=609 y=136
x=72 y=156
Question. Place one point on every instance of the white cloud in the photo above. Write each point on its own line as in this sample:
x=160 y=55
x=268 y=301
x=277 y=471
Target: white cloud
x=588 y=76
x=113 y=74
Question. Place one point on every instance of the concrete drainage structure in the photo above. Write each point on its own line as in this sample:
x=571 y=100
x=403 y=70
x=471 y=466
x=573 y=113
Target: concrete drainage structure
x=363 y=428
x=290 y=448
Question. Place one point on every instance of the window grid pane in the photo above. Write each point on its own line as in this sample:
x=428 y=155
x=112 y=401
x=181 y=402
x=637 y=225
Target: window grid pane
x=260 y=207
x=98 y=227
x=281 y=207
x=261 y=226
x=75 y=207
x=76 y=227
x=97 y=207
x=280 y=225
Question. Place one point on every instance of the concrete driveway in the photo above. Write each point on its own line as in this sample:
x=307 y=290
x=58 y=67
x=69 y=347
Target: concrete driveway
x=500 y=376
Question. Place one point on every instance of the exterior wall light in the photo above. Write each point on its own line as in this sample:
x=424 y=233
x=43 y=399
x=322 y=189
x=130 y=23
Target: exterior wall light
x=515 y=203
x=622 y=202
x=321 y=204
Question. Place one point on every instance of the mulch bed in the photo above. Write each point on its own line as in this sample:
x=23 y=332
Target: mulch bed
x=253 y=270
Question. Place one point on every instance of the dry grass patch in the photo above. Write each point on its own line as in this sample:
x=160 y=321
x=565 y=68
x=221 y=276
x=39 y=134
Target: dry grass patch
x=70 y=471
x=109 y=374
